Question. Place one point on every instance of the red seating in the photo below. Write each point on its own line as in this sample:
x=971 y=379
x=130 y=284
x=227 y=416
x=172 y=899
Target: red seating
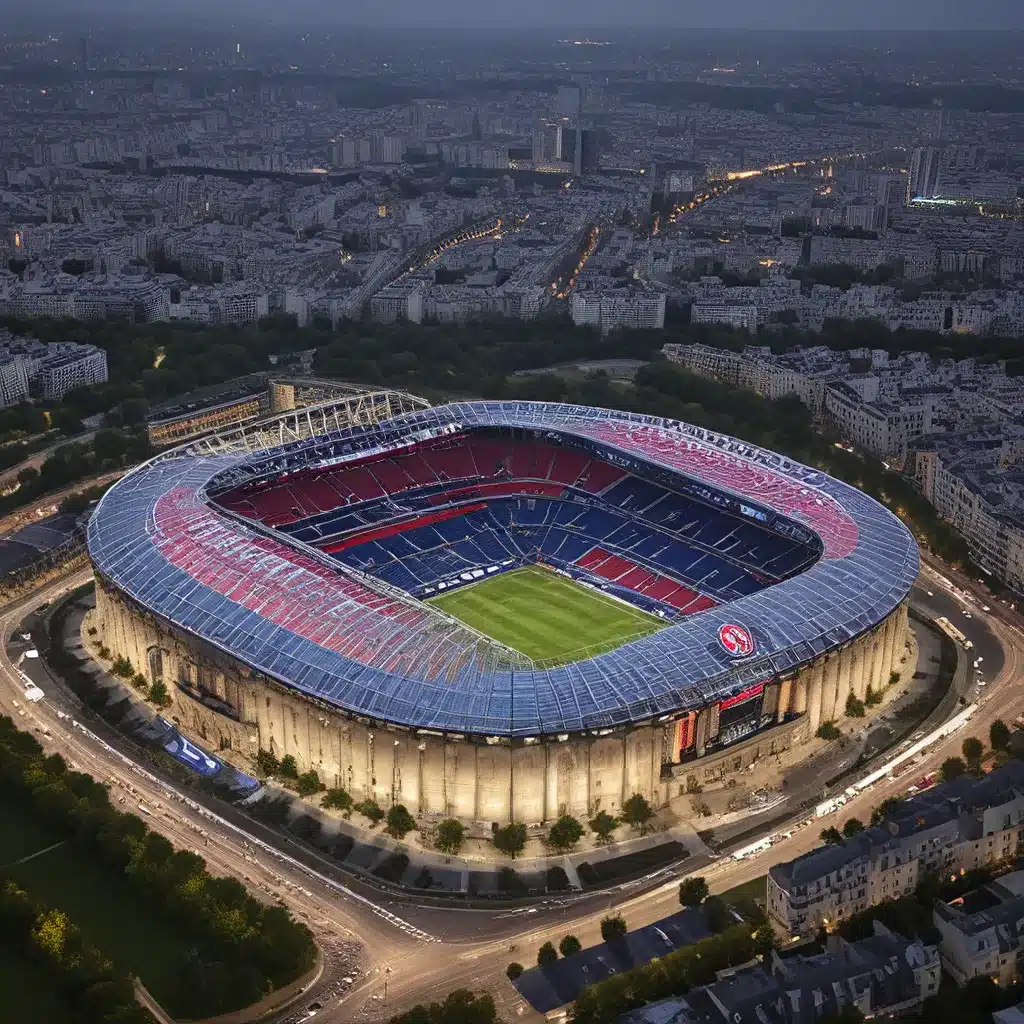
x=661 y=588
x=567 y=466
x=836 y=528
x=375 y=533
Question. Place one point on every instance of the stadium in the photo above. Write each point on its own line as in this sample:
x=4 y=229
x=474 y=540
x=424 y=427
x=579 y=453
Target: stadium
x=499 y=610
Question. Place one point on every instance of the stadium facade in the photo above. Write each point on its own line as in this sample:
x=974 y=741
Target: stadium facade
x=283 y=595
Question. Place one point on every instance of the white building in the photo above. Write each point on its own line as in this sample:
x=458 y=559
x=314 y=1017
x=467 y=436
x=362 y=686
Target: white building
x=80 y=368
x=742 y=317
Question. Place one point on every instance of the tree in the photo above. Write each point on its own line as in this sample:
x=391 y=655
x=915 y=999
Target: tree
x=999 y=735
x=266 y=763
x=612 y=928
x=693 y=891
x=309 y=783
x=288 y=768
x=603 y=825
x=565 y=833
x=513 y=971
x=972 y=749
x=140 y=683
x=831 y=836
x=852 y=827
x=872 y=697
x=854 y=706
x=952 y=768
x=510 y=839
x=158 y=694
x=369 y=809
x=889 y=806
x=451 y=834
x=337 y=800
x=569 y=945
x=637 y=811
x=400 y=822
x=546 y=955
x=828 y=731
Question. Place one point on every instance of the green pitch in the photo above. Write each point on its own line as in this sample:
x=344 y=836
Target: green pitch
x=545 y=616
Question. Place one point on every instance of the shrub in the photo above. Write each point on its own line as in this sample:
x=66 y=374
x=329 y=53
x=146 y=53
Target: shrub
x=831 y=836
x=854 y=707
x=872 y=697
x=122 y=667
x=266 y=763
x=603 y=825
x=952 y=768
x=400 y=822
x=546 y=955
x=337 y=800
x=510 y=839
x=309 y=783
x=513 y=971
x=612 y=928
x=158 y=694
x=693 y=891
x=637 y=811
x=369 y=809
x=828 y=731
x=852 y=827
x=288 y=768
x=569 y=945
x=565 y=833
x=451 y=834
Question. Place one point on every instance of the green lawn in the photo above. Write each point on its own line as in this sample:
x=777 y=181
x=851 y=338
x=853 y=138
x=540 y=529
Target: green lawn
x=109 y=913
x=547 y=617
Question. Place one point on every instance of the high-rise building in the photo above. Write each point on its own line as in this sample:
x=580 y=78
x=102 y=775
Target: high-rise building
x=924 y=173
x=83 y=53
x=570 y=100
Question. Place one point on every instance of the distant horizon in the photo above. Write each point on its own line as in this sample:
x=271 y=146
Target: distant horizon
x=872 y=17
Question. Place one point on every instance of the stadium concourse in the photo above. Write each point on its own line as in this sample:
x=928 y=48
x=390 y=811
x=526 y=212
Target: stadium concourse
x=341 y=599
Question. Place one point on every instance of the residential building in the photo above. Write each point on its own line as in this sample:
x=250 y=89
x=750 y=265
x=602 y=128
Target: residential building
x=61 y=373
x=882 y=975
x=742 y=317
x=983 y=932
x=962 y=824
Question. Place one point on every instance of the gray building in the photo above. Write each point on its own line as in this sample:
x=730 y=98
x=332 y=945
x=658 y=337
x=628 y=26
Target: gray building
x=880 y=975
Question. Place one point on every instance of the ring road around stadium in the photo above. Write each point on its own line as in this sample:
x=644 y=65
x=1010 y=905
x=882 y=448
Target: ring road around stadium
x=500 y=610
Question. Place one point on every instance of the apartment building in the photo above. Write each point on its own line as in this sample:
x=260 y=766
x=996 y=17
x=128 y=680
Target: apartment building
x=882 y=975
x=963 y=824
x=983 y=932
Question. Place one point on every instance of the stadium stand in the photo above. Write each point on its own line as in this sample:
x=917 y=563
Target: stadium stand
x=397 y=517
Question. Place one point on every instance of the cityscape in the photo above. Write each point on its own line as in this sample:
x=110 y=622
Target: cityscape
x=512 y=514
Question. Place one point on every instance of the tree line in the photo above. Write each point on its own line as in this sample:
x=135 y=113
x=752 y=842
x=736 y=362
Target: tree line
x=235 y=949
x=80 y=975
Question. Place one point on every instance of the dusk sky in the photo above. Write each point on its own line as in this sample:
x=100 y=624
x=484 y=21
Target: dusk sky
x=870 y=15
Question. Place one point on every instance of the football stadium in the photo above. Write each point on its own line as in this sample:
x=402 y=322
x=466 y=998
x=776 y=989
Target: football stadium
x=499 y=610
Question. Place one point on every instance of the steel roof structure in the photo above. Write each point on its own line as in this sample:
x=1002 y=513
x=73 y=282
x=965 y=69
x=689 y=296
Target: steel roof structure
x=306 y=621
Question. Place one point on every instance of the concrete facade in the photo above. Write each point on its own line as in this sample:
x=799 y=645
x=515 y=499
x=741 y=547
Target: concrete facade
x=227 y=707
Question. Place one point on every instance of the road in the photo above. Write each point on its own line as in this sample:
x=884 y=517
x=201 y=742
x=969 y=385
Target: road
x=419 y=953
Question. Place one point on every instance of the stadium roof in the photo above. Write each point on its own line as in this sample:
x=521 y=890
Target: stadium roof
x=305 y=620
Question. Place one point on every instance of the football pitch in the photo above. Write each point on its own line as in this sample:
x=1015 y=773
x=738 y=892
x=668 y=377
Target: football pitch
x=547 y=617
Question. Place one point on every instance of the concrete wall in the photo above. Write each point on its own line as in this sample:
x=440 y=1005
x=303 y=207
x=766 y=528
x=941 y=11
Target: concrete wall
x=227 y=708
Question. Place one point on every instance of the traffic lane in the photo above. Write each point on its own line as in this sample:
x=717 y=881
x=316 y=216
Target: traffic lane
x=934 y=601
